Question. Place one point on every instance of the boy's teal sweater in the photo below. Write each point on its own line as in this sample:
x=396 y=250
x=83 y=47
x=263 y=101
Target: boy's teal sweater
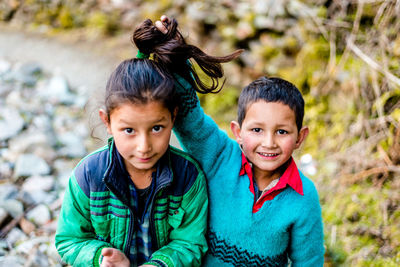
x=287 y=227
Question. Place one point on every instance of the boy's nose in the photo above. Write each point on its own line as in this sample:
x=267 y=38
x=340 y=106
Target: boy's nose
x=268 y=141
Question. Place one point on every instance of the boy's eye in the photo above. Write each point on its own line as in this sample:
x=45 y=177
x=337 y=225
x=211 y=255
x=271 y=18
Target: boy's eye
x=256 y=130
x=280 y=131
x=157 y=128
x=129 y=131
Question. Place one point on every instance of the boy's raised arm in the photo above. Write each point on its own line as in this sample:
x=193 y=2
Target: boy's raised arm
x=198 y=133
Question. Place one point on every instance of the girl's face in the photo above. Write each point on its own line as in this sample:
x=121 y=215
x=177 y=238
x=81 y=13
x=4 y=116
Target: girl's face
x=141 y=134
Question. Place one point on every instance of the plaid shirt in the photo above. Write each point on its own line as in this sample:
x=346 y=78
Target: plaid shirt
x=140 y=251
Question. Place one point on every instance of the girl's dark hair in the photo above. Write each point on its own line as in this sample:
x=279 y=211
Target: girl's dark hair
x=171 y=51
x=144 y=80
x=140 y=81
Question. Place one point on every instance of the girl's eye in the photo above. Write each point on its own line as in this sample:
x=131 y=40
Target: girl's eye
x=280 y=131
x=157 y=128
x=256 y=130
x=128 y=131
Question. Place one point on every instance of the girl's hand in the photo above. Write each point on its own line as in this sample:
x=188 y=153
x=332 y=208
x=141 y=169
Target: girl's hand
x=114 y=258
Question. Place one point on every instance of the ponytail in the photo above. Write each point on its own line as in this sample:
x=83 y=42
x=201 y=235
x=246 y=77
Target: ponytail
x=171 y=51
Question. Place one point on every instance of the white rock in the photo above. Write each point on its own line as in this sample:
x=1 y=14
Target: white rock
x=37 y=182
x=73 y=145
x=26 y=246
x=5 y=66
x=15 y=235
x=30 y=140
x=12 y=261
x=37 y=197
x=11 y=122
x=8 y=191
x=57 y=91
x=39 y=215
x=30 y=164
x=14 y=207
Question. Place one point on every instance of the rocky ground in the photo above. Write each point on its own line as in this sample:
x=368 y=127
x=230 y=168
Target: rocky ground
x=46 y=123
x=43 y=134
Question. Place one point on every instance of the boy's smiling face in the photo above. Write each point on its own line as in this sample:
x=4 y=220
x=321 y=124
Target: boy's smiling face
x=268 y=137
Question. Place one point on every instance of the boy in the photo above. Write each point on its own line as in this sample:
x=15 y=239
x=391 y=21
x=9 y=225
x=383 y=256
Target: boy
x=263 y=210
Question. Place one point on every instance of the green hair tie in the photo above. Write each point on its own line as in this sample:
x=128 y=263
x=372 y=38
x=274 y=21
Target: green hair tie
x=142 y=55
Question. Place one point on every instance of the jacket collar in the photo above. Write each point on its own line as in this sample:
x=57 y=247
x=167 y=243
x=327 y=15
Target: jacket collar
x=116 y=176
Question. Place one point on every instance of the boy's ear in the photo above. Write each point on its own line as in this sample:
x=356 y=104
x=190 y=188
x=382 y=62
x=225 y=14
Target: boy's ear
x=104 y=118
x=235 y=127
x=302 y=136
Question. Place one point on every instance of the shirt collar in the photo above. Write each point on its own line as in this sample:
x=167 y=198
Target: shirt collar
x=291 y=176
x=163 y=173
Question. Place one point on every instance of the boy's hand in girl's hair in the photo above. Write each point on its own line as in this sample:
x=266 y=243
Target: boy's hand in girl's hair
x=160 y=24
x=113 y=258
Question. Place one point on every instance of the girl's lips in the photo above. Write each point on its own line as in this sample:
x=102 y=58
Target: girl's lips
x=144 y=159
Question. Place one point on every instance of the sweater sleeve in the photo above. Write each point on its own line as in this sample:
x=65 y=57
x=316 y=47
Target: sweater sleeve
x=189 y=224
x=198 y=134
x=307 y=240
x=75 y=237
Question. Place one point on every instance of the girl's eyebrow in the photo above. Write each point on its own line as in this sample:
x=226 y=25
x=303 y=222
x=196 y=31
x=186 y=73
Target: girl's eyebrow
x=161 y=119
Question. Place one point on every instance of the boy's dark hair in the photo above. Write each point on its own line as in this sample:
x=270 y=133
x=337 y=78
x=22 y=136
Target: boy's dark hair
x=144 y=80
x=272 y=90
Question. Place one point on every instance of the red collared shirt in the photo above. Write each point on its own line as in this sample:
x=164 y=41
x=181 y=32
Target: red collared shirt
x=291 y=177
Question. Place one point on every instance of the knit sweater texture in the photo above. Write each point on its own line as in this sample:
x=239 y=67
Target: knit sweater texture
x=286 y=229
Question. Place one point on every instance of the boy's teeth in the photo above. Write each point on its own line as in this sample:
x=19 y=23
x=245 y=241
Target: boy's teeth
x=268 y=154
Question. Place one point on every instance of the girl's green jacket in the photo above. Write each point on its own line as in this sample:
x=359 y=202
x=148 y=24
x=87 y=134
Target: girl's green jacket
x=96 y=214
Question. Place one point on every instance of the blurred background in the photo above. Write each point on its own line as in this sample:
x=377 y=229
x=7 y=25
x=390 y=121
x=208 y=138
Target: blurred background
x=344 y=55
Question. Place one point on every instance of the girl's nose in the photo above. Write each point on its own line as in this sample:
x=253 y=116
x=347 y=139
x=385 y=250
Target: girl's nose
x=144 y=144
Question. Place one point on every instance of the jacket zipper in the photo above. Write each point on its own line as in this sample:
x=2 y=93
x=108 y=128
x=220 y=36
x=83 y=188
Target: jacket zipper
x=129 y=241
x=131 y=222
x=152 y=225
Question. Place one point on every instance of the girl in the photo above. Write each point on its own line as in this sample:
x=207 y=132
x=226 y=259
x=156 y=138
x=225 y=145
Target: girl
x=137 y=200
